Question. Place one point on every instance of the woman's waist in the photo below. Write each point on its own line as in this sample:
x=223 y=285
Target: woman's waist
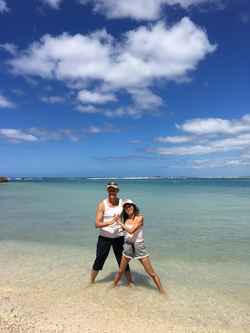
x=132 y=243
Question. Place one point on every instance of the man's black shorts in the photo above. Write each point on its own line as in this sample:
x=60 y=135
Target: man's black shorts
x=102 y=251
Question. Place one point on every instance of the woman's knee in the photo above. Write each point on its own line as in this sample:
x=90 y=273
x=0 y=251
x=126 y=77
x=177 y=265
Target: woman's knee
x=152 y=274
x=121 y=271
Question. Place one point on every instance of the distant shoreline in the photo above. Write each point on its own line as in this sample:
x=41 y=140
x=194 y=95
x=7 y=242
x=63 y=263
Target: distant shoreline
x=124 y=178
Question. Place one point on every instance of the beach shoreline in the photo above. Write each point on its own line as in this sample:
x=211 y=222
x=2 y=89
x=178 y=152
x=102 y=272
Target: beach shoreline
x=32 y=312
x=199 y=246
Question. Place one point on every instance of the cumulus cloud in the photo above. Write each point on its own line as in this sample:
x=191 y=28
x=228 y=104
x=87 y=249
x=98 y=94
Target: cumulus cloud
x=9 y=47
x=52 y=3
x=86 y=96
x=100 y=67
x=18 y=92
x=214 y=162
x=128 y=158
x=216 y=126
x=5 y=103
x=135 y=141
x=214 y=146
x=107 y=112
x=145 y=99
x=53 y=99
x=244 y=17
x=15 y=135
x=107 y=128
x=208 y=136
x=141 y=9
x=44 y=134
x=3 y=6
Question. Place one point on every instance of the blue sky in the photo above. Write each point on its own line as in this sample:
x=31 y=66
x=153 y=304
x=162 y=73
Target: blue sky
x=114 y=88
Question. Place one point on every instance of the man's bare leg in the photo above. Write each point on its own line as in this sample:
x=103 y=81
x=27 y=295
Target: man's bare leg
x=92 y=278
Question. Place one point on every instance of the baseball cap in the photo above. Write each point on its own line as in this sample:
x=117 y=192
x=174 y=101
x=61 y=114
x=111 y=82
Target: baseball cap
x=128 y=201
x=112 y=184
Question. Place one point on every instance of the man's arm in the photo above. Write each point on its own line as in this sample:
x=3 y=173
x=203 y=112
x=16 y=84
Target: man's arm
x=99 y=216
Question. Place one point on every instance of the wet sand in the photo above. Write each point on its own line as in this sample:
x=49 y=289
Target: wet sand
x=41 y=292
x=34 y=310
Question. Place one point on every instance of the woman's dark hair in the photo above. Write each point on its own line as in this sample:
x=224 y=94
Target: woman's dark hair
x=125 y=215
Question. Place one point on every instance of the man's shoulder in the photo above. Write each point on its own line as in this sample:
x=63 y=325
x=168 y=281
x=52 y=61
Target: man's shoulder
x=101 y=206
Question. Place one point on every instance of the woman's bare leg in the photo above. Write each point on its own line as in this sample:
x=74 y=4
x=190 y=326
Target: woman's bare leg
x=148 y=268
x=121 y=270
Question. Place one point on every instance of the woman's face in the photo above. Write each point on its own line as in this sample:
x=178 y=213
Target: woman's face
x=129 y=209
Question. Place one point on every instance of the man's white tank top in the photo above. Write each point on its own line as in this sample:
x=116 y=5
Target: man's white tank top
x=113 y=230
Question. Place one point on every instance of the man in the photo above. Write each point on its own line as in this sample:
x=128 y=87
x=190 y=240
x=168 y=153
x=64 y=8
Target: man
x=111 y=234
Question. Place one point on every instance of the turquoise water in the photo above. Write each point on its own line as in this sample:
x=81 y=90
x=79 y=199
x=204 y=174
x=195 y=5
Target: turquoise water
x=197 y=234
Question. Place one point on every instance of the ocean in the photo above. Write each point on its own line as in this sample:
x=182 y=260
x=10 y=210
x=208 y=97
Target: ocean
x=197 y=235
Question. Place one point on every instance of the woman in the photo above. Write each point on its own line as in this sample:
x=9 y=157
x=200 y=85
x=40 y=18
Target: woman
x=134 y=246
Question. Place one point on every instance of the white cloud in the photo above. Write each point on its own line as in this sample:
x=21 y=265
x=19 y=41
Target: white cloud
x=9 y=47
x=5 y=103
x=244 y=17
x=216 y=126
x=18 y=92
x=135 y=141
x=215 y=162
x=145 y=99
x=101 y=66
x=86 y=96
x=43 y=134
x=92 y=129
x=214 y=146
x=53 y=99
x=53 y=3
x=141 y=9
x=32 y=82
x=70 y=134
x=246 y=155
x=15 y=135
x=206 y=137
x=128 y=158
x=116 y=113
x=136 y=9
x=3 y=6
x=107 y=112
x=88 y=109
x=175 y=139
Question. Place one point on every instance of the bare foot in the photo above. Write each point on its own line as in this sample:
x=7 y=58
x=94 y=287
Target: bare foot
x=165 y=295
x=110 y=287
x=85 y=286
x=134 y=287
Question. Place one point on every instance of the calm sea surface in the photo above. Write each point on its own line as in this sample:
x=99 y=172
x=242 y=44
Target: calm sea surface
x=197 y=234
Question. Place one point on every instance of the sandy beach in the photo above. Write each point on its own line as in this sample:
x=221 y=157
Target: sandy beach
x=35 y=311
x=48 y=243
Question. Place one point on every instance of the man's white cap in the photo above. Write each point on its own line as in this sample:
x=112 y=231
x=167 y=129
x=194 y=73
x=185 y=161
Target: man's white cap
x=112 y=184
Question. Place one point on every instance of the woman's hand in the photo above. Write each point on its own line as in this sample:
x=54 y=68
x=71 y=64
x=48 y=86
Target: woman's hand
x=117 y=219
x=112 y=221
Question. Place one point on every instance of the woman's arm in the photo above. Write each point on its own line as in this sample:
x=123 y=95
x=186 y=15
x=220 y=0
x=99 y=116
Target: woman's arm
x=138 y=223
x=99 y=216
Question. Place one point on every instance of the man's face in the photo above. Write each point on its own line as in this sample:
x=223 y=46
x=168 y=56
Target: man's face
x=112 y=191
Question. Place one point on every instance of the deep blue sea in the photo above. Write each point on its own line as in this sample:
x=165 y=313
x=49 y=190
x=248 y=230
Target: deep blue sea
x=196 y=231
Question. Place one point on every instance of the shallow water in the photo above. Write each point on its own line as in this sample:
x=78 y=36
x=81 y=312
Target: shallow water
x=197 y=234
